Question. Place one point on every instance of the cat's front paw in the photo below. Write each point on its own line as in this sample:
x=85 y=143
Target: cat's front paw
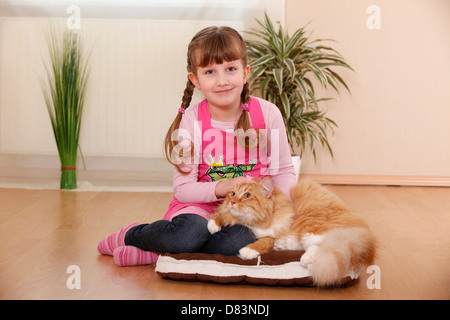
x=213 y=227
x=247 y=253
x=309 y=256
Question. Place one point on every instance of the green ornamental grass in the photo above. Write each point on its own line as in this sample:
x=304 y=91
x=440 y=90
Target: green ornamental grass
x=64 y=93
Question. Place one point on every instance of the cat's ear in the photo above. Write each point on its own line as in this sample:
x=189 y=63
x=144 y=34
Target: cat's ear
x=266 y=185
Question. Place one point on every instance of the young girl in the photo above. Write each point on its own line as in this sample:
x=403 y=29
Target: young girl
x=214 y=145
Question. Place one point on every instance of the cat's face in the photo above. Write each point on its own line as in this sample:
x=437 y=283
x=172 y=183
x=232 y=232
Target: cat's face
x=250 y=203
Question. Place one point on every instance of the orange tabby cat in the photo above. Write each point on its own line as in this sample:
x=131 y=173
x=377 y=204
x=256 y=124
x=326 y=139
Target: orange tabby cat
x=336 y=243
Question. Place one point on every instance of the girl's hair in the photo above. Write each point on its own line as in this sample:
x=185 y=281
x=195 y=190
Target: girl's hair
x=210 y=45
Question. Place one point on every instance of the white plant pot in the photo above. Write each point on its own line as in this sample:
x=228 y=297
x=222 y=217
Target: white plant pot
x=296 y=161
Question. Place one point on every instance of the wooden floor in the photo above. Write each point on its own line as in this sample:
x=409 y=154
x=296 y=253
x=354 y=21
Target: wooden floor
x=43 y=232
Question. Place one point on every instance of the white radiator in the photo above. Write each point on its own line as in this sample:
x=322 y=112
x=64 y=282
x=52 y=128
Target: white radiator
x=137 y=80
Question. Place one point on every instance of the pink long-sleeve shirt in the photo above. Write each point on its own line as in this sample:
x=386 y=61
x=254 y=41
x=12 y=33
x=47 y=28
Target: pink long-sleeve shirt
x=188 y=189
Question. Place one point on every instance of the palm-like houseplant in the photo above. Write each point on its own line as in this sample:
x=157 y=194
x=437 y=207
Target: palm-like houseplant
x=285 y=69
x=64 y=94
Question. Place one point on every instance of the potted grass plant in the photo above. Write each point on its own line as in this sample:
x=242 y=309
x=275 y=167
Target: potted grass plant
x=64 y=93
x=285 y=70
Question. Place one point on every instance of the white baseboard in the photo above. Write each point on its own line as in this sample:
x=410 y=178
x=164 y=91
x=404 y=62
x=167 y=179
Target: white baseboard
x=151 y=174
x=379 y=180
x=101 y=173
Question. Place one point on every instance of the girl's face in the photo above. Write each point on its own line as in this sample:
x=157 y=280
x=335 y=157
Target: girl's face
x=222 y=84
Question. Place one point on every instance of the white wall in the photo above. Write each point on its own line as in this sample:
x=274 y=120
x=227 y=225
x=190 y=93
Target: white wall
x=395 y=122
x=137 y=78
x=397 y=119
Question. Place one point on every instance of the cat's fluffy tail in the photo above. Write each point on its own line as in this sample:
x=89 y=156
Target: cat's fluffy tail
x=342 y=252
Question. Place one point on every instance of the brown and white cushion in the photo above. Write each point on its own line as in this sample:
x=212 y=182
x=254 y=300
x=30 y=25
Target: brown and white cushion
x=277 y=268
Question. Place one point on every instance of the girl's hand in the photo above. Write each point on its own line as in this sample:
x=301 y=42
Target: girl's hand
x=223 y=187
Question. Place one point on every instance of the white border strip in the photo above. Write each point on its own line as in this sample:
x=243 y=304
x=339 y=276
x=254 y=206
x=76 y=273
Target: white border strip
x=290 y=270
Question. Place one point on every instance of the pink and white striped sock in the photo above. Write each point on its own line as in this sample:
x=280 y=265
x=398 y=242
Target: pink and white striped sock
x=111 y=242
x=133 y=256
